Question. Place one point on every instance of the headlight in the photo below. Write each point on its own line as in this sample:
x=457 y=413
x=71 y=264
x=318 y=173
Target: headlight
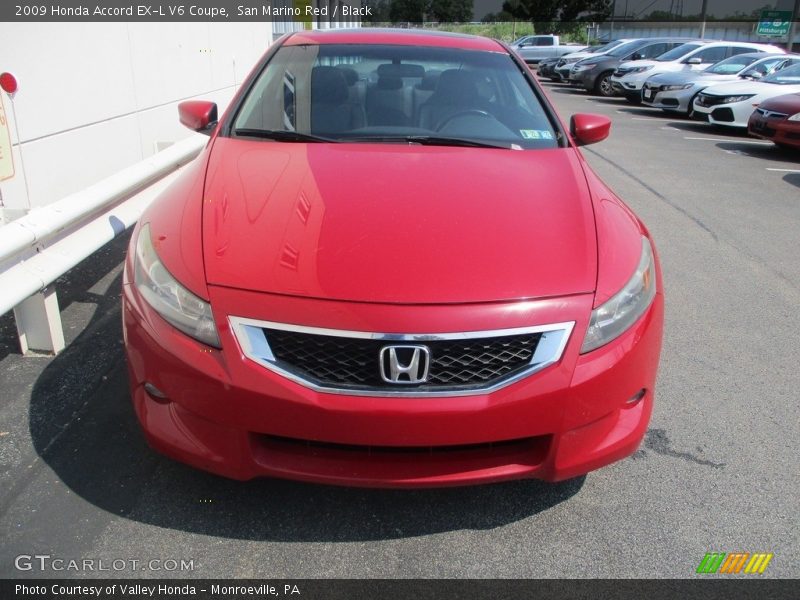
x=569 y=61
x=614 y=317
x=794 y=117
x=638 y=70
x=731 y=99
x=672 y=88
x=179 y=307
x=583 y=67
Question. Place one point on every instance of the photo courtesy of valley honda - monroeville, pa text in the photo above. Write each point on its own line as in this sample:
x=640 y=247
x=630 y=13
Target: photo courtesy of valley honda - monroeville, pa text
x=391 y=266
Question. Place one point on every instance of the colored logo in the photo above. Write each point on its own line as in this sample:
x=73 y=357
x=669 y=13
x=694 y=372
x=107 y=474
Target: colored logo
x=734 y=562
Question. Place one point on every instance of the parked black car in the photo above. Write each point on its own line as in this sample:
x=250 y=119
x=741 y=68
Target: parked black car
x=593 y=73
x=547 y=68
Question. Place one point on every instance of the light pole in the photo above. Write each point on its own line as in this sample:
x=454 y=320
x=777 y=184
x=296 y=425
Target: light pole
x=703 y=18
x=793 y=25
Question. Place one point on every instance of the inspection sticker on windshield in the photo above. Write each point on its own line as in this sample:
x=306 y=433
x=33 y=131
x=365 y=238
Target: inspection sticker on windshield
x=536 y=134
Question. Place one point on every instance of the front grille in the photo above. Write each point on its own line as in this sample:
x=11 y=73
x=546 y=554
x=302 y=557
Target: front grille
x=334 y=361
x=363 y=363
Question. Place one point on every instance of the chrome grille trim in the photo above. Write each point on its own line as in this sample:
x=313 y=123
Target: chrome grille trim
x=771 y=114
x=249 y=333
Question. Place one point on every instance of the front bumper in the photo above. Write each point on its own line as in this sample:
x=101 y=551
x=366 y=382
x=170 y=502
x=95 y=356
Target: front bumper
x=226 y=414
x=674 y=100
x=779 y=131
x=720 y=114
x=626 y=86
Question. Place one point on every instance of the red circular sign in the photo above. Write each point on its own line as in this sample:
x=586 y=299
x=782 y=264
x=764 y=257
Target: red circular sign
x=8 y=82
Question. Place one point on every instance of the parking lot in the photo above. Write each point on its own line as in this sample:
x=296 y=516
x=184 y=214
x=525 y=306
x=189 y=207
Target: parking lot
x=717 y=472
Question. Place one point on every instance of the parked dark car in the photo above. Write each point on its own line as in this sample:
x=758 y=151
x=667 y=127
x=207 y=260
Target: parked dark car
x=593 y=73
x=547 y=68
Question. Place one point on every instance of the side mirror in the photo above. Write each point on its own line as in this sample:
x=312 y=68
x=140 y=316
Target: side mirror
x=198 y=115
x=637 y=56
x=589 y=128
x=695 y=60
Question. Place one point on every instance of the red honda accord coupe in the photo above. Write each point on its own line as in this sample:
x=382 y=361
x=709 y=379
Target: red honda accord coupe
x=391 y=266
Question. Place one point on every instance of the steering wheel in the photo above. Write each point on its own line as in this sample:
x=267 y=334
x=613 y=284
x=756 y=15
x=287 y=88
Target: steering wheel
x=463 y=113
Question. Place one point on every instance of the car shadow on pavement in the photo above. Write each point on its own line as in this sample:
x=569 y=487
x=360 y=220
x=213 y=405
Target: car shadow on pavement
x=710 y=130
x=766 y=151
x=84 y=428
x=793 y=178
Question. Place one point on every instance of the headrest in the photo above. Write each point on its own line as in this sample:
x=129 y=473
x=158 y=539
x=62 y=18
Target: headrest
x=430 y=80
x=350 y=75
x=328 y=86
x=456 y=86
x=400 y=70
x=390 y=83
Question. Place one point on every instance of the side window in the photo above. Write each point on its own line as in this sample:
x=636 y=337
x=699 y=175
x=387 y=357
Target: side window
x=734 y=50
x=544 y=41
x=711 y=55
x=653 y=50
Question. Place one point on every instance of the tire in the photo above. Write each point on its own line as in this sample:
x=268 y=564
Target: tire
x=602 y=85
x=690 y=111
x=633 y=100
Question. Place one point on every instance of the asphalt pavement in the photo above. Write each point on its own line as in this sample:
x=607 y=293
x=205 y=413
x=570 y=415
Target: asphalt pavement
x=718 y=470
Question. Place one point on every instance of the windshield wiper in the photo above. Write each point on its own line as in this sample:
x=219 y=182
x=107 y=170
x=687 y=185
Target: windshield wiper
x=428 y=140
x=282 y=136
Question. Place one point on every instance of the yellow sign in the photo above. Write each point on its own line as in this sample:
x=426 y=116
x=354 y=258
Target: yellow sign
x=6 y=157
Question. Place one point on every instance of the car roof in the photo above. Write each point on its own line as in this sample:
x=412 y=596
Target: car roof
x=398 y=37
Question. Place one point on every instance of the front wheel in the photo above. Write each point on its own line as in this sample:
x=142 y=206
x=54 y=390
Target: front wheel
x=602 y=86
x=690 y=111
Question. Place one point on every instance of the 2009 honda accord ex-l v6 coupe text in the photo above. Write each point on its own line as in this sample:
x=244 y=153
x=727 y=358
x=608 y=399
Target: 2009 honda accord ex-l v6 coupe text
x=392 y=266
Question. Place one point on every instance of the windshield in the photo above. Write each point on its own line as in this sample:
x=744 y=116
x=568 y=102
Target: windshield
x=732 y=65
x=787 y=76
x=678 y=52
x=610 y=46
x=626 y=48
x=394 y=94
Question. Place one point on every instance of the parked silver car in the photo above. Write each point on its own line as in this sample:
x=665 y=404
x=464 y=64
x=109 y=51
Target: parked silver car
x=675 y=92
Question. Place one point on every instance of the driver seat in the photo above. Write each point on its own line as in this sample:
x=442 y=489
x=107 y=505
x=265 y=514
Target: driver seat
x=456 y=92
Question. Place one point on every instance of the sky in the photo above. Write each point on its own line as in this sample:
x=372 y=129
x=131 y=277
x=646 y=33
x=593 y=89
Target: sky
x=718 y=8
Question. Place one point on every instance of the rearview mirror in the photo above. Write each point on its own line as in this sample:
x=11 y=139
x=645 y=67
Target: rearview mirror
x=695 y=60
x=198 y=115
x=589 y=128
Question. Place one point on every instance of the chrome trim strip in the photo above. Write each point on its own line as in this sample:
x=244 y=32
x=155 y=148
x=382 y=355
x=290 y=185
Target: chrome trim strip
x=253 y=343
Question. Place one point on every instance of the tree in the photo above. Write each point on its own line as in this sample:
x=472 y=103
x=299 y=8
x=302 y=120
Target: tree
x=444 y=11
x=407 y=11
x=547 y=11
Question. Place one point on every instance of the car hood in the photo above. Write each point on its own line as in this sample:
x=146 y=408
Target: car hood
x=787 y=103
x=397 y=223
x=681 y=77
x=740 y=86
x=629 y=64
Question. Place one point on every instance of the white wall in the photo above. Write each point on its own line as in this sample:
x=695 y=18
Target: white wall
x=96 y=97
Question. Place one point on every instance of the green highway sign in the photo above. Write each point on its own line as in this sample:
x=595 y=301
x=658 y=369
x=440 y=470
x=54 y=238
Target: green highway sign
x=774 y=23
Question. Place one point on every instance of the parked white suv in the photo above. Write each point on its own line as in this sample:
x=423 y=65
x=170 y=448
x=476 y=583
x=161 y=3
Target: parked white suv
x=630 y=76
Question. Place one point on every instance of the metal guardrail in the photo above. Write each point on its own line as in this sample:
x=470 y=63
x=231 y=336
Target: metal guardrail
x=37 y=249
